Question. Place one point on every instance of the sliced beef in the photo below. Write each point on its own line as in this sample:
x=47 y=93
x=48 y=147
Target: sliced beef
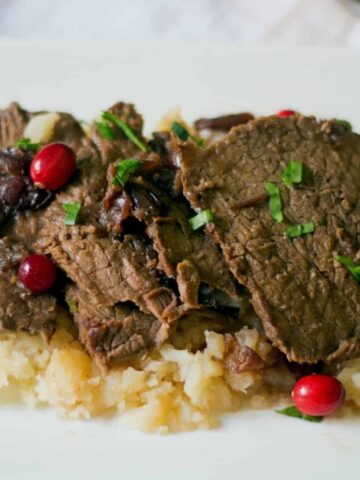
x=121 y=147
x=21 y=207
x=19 y=198
x=96 y=154
x=309 y=304
x=117 y=334
x=23 y=227
x=107 y=269
x=19 y=309
x=190 y=257
x=188 y=280
x=13 y=120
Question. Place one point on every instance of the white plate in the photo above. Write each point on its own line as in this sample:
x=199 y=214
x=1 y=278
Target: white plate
x=203 y=80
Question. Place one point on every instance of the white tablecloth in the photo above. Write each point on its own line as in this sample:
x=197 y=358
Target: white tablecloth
x=275 y=22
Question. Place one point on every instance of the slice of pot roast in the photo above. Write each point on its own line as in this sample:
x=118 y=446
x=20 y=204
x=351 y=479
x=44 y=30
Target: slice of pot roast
x=150 y=205
x=308 y=302
x=117 y=334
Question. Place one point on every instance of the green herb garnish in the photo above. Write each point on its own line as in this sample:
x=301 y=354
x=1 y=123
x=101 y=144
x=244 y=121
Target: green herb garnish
x=28 y=145
x=72 y=305
x=201 y=219
x=294 y=412
x=299 y=230
x=275 y=206
x=105 y=130
x=126 y=129
x=344 y=123
x=181 y=132
x=124 y=169
x=72 y=210
x=293 y=173
x=348 y=263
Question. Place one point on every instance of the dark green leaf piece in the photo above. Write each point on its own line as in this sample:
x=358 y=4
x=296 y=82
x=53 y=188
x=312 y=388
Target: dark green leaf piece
x=105 y=130
x=299 y=230
x=124 y=169
x=294 y=412
x=181 y=132
x=27 y=145
x=348 y=263
x=344 y=123
x=126 y=129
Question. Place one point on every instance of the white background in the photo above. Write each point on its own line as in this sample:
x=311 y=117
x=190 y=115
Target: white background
x=250 y=22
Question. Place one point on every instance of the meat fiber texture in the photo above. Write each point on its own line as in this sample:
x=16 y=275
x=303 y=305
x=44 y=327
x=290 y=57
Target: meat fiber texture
x=20 y=201
x=309 y=304
x=131 y=287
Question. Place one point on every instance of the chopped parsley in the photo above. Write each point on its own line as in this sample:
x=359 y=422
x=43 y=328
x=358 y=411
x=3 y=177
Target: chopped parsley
x=72 y=305
x=275 y=206
x=344 y=123
x=181 y=132
x=293 y=173
x=126 y=129
x=299 y=230
x=124 y=169
x=348 y=263
x=27 y=145
x=105 y=130
x=72 y=210
x=294 y=412
x=201 y=219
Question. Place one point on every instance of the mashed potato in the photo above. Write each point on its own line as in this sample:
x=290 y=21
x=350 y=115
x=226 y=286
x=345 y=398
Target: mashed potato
x=350 y=378
x=172 y=390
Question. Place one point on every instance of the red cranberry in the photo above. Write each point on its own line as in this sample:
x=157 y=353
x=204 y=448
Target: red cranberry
x=53 y=166
x=318 y=395
x=37 y=273
x=286 y=113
